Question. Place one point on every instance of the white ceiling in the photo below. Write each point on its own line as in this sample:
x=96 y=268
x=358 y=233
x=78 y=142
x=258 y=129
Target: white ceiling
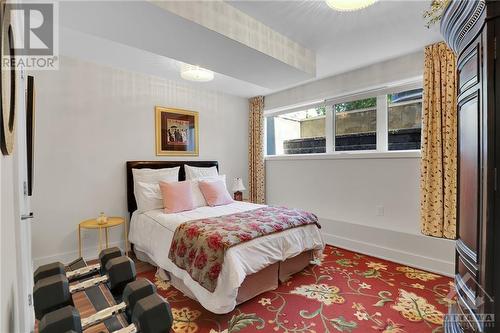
x=143 y=25
x=347 y=40
x=151 y=40
x=83 y=46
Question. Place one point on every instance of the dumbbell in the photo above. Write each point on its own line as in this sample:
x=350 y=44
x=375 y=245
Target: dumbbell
x=54 y=292
x=150 y=313
x=56 y=268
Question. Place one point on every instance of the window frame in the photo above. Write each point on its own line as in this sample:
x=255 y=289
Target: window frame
x=382 y=135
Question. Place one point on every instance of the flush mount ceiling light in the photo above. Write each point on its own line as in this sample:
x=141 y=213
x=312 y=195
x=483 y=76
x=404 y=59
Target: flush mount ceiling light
x=349 y=5
x=196 y=73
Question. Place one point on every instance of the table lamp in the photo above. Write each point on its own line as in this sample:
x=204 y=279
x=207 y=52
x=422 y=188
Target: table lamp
x=238 y=189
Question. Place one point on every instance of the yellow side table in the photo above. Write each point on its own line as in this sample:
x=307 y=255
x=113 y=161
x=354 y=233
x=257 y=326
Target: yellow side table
x=93 y=224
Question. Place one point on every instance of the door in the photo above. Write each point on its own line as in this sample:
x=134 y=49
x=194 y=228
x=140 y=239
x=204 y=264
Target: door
x=24 y=260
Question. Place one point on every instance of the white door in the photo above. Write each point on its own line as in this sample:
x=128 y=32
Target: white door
x=24 y=261
x=22 y=205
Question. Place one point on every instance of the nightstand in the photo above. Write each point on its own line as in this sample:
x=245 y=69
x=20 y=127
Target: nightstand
x=94 y=224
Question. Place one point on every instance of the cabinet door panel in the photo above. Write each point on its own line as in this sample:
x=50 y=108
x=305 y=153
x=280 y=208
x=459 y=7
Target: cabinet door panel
x=468 y=114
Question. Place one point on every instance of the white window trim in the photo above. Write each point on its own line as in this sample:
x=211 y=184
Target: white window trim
x=329 y=130
x=393 y=105
x=382 y=142
x=356 y=154
x=381 y=152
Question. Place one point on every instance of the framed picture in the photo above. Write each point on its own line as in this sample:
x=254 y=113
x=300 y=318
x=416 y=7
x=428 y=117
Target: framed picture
x=8 y=80
x=176 y=132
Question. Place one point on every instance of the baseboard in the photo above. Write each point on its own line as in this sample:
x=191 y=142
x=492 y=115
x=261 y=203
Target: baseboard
x=66 y=257
x=419 y=251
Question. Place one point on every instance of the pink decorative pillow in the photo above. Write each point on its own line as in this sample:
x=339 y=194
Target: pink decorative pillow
x=215 y=192
x=177 y=196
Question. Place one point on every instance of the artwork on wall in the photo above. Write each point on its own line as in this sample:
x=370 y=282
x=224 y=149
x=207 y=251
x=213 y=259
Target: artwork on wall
x=30 y=131
x=8 y=85
x=176 y=132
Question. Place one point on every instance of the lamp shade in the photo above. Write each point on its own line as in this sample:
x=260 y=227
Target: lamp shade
x=349 y=5
x=238 y=185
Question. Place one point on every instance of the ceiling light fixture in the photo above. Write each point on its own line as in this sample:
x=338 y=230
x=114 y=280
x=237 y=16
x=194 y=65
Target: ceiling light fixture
x=349 y=5
x=196 y=73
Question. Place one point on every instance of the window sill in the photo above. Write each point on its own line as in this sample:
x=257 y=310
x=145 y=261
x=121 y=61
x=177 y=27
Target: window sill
x=348 y=155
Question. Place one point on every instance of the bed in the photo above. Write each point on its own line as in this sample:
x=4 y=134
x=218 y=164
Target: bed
x=249 y=269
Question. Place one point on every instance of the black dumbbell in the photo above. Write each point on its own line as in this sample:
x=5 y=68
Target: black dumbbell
x=54 y=292
x=150 y=313
x=56 y=268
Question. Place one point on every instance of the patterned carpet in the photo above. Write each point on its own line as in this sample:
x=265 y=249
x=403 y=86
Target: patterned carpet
x=342 y=292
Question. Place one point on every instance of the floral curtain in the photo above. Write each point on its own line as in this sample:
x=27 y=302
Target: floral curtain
x=256 y=150
x=438 y=171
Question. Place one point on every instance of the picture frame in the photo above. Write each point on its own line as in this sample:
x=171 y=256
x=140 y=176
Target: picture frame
x=176 y=132
x=8 y=91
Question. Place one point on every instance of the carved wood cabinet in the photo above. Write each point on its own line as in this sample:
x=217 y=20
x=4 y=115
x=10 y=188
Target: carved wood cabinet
x=471 y=29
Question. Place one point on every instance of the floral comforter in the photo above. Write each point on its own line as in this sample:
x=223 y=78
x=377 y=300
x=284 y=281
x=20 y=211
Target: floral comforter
x=199 y=246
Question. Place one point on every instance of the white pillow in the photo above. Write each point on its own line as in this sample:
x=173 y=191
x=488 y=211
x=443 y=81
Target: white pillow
x=198 y=198
x=196 y=172
x=148 y=196
x=213 y=178
x=147 y=189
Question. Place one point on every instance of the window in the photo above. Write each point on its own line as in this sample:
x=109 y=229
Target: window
x=405 y=120
x=356 y=125
x=389 y=120
x=300 y=132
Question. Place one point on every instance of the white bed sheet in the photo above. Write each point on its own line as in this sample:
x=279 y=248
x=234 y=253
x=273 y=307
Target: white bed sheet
x=152 y=232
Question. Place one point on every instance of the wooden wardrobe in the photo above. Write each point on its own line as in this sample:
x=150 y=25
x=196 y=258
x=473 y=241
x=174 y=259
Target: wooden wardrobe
x=471 y=29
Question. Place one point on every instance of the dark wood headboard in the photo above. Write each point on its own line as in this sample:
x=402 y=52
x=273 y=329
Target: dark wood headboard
x=131 y=203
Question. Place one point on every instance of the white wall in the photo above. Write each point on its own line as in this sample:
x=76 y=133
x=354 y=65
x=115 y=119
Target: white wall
x=91 y=119
x=347 y=193
x=351 y=190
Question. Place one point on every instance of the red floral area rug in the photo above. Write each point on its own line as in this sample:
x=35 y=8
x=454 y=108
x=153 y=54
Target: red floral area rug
x=342 y=292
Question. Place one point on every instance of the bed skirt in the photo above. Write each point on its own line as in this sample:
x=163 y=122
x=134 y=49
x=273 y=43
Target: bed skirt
x=255 y=284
